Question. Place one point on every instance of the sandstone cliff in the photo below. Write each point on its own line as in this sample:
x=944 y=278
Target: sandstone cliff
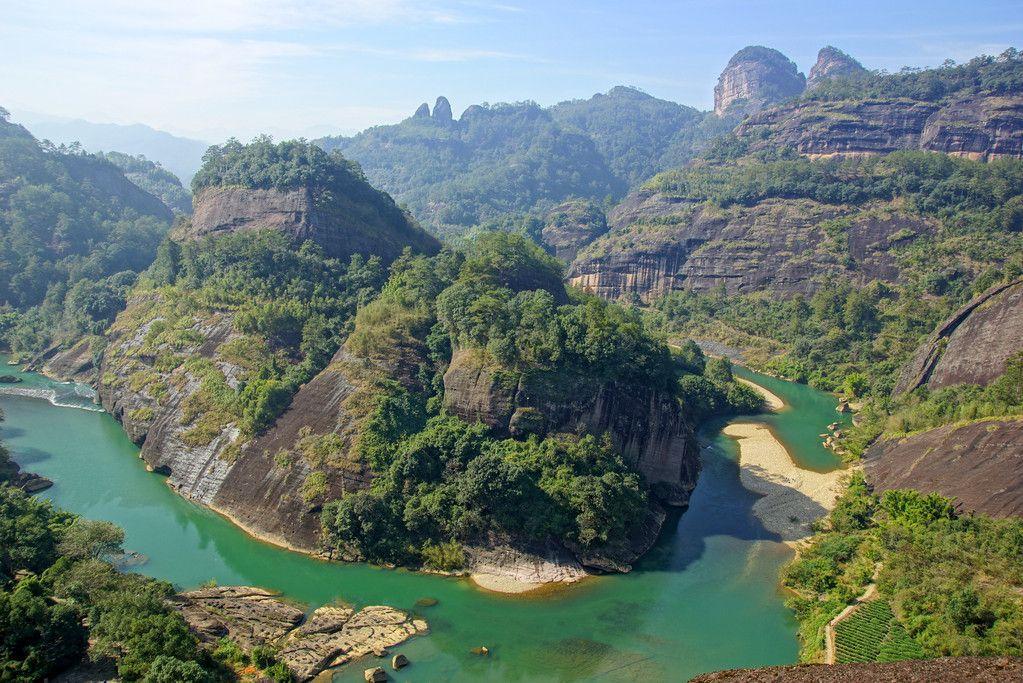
x=973 y=345
x=754 y=78
x=961 y=669
x=364 y=222
x=980 y=465
x=833 y=63
x=659 y=243
x=978 y=127
x=648 y=428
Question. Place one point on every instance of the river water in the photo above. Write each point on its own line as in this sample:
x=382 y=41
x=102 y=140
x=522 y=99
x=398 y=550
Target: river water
x=705 y=598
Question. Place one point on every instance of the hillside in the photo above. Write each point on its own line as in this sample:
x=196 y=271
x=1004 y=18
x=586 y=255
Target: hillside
x=74 y=232
x=154 y=179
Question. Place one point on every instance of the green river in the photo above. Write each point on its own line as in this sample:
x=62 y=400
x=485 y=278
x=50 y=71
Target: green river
x=705 y=598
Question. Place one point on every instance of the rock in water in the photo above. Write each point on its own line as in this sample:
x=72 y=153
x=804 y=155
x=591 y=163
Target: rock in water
x=755 y=77
x=9 y=379
x=399 y=661
x=333 y=635
x=375 y=675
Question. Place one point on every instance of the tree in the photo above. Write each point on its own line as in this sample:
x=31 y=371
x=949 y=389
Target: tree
x=719 y=370
x=165 y=669
x=94 y=539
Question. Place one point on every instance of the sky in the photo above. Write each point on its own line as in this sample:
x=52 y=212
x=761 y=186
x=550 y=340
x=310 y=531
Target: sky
x=218 y=68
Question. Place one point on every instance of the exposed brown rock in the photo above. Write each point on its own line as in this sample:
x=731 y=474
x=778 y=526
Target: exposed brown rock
x=973 y=345
x=977 y=127
x=979 y=464
x=659 y=244
x=756 y=77
x=959 y=669
x=331 y=636
x=364 y=222
x=833 y=63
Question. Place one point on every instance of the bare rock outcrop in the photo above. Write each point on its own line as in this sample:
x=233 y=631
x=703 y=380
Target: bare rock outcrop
x=962 y=669
x=364 y=221
x=756 y=77
x=980 y=465
x=330 y=637
x=977 y=127
x=660 y=244
x=973 y=345
x=833 y=63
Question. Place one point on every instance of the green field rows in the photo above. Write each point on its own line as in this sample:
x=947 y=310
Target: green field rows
x=873 y=634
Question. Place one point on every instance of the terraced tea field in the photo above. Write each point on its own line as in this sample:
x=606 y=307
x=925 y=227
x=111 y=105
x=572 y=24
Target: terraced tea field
x=873 y=634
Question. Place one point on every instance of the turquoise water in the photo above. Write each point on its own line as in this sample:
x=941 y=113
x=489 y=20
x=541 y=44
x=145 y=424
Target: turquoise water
x=705 y=598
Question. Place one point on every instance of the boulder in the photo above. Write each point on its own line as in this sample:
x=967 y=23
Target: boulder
x=399 y=661
x=374 y=675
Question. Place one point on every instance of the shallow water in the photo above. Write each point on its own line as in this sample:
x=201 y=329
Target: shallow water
x=705 y=598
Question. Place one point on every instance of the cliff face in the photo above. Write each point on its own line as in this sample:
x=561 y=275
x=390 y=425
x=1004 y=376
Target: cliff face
x=833 y=63
x=979 y=464
x=658 y=244
x=973 y=345
x=571 y=226
x=363 y=223
x=649 y=428
x=981 y=128
x=756 y=77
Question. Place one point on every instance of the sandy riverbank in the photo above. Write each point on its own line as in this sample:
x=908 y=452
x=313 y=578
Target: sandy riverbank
x=773 y=401
x=793 y=498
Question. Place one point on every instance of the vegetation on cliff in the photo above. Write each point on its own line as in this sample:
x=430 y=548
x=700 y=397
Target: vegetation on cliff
x=953 y=582
x=74 y=232
x=440 y=481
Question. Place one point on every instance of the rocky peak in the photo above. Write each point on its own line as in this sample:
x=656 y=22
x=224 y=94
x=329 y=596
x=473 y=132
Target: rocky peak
x=833 y=63
x=755 y=77
x=423 y=112
x=442 y=109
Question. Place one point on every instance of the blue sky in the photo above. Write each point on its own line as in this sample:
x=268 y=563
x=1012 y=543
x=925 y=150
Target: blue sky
x=216 y=68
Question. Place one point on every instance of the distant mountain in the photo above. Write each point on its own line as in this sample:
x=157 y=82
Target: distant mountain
x=180 y=156
x=502 y=159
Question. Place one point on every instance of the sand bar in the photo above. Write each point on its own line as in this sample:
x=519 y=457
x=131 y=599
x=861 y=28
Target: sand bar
x=773 y=401
x=793 y=498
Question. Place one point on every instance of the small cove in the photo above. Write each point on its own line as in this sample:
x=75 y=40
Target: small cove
x=705 y=598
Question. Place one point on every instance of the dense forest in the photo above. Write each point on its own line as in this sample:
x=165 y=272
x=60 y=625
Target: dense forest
x=154 y=179
x=441 y=482
x=74 y=233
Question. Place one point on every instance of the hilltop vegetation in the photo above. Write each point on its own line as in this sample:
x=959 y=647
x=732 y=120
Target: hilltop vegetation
x=74 y=232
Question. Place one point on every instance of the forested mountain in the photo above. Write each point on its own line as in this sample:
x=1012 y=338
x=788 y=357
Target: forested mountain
x=154 y=179
x=514 y=159
x=73 y=234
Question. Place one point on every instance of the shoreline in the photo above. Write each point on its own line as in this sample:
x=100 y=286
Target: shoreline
x=772 y=400
x=792 y=497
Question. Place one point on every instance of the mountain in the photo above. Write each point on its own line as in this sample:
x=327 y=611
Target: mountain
x=181 y=156
x=514 y=159
x=832 y=63
x=756 y=77
x=73 y=234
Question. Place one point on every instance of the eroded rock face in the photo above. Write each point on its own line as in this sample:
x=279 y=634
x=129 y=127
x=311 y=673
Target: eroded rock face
x=833 y=63
x=980 y=465
x=331 y=636
x=981 y=128
x=442 y=110
x=571 y=226
x=648 y=428
x=973 y=345
x=364 y=221
x=756 y=77
x=960 y=669
x=659 y=244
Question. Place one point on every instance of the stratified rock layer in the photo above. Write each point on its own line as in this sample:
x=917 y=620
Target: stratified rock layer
x=973 y=345
x=756 y=77
x=977 y=127
x=980 y=465
x=330 y=637
x=960 y=669
x=659 y=244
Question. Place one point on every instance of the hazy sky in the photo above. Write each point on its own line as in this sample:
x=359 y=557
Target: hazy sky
x=215 y=68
